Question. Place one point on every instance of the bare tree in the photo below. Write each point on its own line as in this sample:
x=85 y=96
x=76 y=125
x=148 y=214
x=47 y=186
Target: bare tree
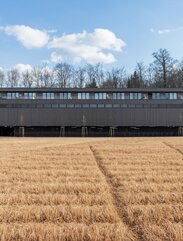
x=37 y=76
x=2 y=78
x=94 y=75
x=47 y=79
x=63 y=74
x=13 y=78
x=27 y=79
x=79 y=78
x=141 y=72
x=163 y=65
x=116 y=78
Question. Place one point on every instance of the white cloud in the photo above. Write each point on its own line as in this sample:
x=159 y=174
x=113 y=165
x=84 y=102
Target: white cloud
x=166 y=30
x=90 y=47
x=163 y=31
x=23 y=67
x=27 y=36
x=56 y=57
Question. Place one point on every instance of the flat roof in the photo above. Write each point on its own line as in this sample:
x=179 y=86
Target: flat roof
x=22 y=89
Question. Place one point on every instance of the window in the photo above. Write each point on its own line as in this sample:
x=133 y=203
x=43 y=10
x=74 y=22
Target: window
x=154 y=106
x=131 y=105
x=139 y=106
x=155 y=96
x=118 y=96
x=116 y=105
x=62 y=105
x=63 y=96
x=4 y=95
x=160 y=96
x=54 y=106
x=92 y=96
x=123 y=105
x=56 y=96
x=172 y=96
x=164 y=96
x=48 y=95
x=39 y=105
x=135 y=96
x=109 y=95
x=145 y=96
x=70 y=105
x=108 y=105
x=38 y=95
x=12 y=95
x=83 y=96
x=100 y=96
x=146 y=106
x=8 y=95
x=74 y=96
x=78 y=106
x=29 y=95
x=47 y=105
x=180 y=96
x=100 y=105
x=93 y=106
x=127 y=96
x=85 y=106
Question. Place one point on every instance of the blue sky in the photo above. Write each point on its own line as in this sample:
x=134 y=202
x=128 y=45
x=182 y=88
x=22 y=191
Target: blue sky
x=114 y=32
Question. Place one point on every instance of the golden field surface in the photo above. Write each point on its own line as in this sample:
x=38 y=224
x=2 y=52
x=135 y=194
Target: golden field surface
x=91 y=189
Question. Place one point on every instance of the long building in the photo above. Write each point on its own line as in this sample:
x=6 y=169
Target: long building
x=91 y=112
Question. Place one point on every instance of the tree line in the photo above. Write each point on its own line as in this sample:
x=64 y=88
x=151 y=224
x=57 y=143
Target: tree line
x=163 y=72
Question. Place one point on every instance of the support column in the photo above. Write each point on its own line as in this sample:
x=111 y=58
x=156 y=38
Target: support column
x=180 y=131
x=111 y=131
x=21 y=131
x=62 y=131
x=84 y=131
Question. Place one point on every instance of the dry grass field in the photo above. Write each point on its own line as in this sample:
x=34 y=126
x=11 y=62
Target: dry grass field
x=72 y=189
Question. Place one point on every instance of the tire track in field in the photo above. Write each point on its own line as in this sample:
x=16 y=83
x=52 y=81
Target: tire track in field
x=113 y=189
x=173 y=147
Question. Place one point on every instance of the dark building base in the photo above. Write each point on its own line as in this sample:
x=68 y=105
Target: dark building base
x=90 y=131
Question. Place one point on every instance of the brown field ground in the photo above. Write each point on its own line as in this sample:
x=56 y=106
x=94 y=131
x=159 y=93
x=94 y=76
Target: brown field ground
x=74 y=189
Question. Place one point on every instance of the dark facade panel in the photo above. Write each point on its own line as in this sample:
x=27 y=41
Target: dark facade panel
x=91 y=117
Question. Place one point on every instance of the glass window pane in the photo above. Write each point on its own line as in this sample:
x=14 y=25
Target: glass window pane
x=62 y=105
x=79 y=96
x=123 y=105
x=108 y=105
x=100 y=105
x=70 y=105
x=69 y=95
x=104 y=96
x=91 y=96
x=116 y=105
x=114 y=96
x=77 y=105
x=93 y=106
x=44 y=95
x=54 y=106
x=8 y=95
x=85 y=105
x=87 y=96
x=109 y=95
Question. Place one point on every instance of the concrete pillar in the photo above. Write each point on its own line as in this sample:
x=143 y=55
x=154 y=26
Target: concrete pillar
x=180 y=131
x=111 y=131
x=62 y=131
x=21 y=131
x=84 y=131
